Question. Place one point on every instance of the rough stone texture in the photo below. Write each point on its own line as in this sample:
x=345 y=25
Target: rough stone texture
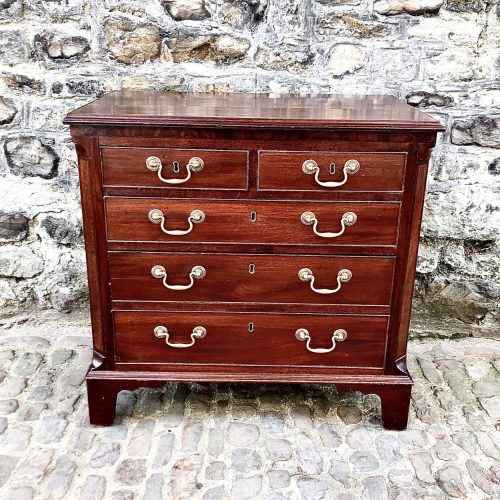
x=307 y=455
x=438 y=55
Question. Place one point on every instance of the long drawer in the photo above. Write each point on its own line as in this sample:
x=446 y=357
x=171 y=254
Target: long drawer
x=232 y=278
x=175 y=168
x=330 y=171
x=250 y=339
x=293 y=223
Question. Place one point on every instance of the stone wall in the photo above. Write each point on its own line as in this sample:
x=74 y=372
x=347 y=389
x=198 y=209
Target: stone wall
x=439 y=55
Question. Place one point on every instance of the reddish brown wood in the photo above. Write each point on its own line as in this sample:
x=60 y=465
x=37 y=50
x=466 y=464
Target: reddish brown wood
x=392 y=142
x=282 y=171
x=255 y=110
x=227 y=170
x=228 y=278
x=249 y=339
x=230 y=222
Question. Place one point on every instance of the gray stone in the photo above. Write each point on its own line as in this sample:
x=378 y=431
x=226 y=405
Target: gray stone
x=125 y=403
x=215 y=442
x=242 y=435
x=345 y=58
x=388 y=448
x=466 y=5
x=481 y=130
x=393 y=7
x=93 y=488
x=62 y=230
x=246 y=487
x=278 y=479
x=41 y=393
x=359 y=438
x=301 y=416
x=164 y=450
x=131 y=42
x=11 y=9
x=154 y=485
x=8 y=406
x=81 y=441
x=429 y=371
x=374 y=488
x=15 y=439
x=7 y=114
x=450 y=480
x=309 y=458
x=140 y=442
x=245 y=460
x=443 y=449
x=465 y=441
x=182 y=10
x=492 y=406
x=51 y=429
x=215 y=471
x=27 y=364
x=487 y=445
x=425 y=99
x=328 y=436
x=123 y=495
x=30 y=157
x=340 y=471
x=364 y=461
x=3 y=425
x=349 y=414
x=7 y=465
x=272 y=422
x=14 y=48
x=484 y=480
x=131 y=471
x=216 y=493
x=61 y=478
x=278 y=449
x=312 y=489
x=19 y=262
x=31 y=412
x=401 y=478
x=422 y=463
x=414 y=437
x=62 y=46
x=148 y=402
x=105 y=455
x=191 y=435
x=60 y=356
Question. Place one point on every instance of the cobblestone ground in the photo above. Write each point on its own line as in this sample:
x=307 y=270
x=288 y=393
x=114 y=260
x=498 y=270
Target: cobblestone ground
x=245 y=441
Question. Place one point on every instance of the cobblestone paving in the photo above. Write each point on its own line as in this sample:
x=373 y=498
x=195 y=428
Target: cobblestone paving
x=246 y=441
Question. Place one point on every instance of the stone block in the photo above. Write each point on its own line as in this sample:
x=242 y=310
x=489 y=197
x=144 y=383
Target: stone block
x=182 y=10
x=14 y=47
x=393 y=7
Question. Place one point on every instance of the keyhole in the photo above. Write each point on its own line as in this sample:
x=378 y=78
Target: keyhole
x=253 y=216
x=176 y=167
x=250 y=327
x=332 y=168
x=251 y=268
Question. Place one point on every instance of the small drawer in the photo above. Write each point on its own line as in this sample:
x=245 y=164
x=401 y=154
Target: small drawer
x=175 y=168
x=250 y=339
x=330 y=171
x=287 y=223
x=251 y=278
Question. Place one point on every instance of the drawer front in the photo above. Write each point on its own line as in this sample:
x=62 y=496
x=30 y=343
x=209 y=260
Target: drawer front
x=250 y=339
x=331 y=171
x=130 y=219
x=230 y=278
x=221 y=169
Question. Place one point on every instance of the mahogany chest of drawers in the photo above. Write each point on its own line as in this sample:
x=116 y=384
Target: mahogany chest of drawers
x=251 y=238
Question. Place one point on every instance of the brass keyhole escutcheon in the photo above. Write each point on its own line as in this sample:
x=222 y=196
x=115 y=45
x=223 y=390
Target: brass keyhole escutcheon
x=176 y=167
x=332 y=168
x=250 y=327
x=253 y=216
x=251 y=268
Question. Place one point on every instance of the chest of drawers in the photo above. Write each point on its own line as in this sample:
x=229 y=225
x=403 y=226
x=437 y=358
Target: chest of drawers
x=251 y=238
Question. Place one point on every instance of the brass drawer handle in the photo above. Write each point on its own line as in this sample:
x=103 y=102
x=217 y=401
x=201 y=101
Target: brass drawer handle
x=195 y=217
x=198 y=332
x=350 y=168
x=154 y=164
x=197 y=273
x=338 y=336
x=348 y=219
x=343 y=276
